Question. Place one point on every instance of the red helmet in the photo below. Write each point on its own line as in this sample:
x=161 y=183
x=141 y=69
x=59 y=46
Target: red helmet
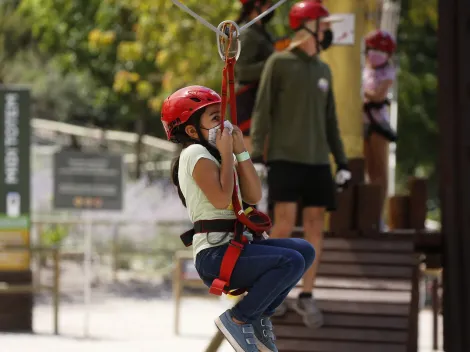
x=306 y=10
x=381 y=40
x=178 y=107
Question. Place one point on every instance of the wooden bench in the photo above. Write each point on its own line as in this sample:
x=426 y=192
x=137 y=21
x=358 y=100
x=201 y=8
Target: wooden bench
x=368 y=291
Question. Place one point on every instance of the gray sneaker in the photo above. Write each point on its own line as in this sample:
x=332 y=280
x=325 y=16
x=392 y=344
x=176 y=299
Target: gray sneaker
x=264 y=335
x=281 y=310
x=311 y=314
x=241 y=337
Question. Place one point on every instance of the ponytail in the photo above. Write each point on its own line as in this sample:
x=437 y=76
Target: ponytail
x=174 y=178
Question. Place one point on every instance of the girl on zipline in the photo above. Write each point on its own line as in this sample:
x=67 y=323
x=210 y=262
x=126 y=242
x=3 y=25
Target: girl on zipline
x=204 y=176
x=378 y=76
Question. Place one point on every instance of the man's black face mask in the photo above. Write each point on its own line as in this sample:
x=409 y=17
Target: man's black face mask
x=327 y=39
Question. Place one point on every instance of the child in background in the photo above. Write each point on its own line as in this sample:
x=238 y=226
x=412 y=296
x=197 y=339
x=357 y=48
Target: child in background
x=378 y=77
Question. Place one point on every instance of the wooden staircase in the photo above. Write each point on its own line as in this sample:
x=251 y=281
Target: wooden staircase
x=368 y=291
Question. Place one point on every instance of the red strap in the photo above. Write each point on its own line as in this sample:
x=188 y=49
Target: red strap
x=228 y=83
x=222 y=284
x=229 y=261
x=231 y=86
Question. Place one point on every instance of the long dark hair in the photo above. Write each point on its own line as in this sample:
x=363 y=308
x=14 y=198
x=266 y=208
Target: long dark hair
x=247 y=8
x=181 y=137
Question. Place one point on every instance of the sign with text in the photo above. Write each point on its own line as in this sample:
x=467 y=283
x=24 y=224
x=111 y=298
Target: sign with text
x=88 y=181
x=14 y=175
x=344 y=31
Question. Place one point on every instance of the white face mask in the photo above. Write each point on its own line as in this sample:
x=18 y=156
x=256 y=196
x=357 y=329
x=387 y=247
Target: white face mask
x=213 y=132
x=377 y=58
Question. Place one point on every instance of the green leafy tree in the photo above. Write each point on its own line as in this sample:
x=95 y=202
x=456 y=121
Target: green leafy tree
x=417 y=95
x=15 y=36
x=136 y=52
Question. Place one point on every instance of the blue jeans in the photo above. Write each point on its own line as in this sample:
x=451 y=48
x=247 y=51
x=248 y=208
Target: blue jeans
x=269 y=269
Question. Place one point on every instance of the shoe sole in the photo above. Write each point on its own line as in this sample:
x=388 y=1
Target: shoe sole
x=228 y=335
x=300 y=312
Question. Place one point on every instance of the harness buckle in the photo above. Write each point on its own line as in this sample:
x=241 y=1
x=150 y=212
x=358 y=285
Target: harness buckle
x=236 y=244
x=218 y=287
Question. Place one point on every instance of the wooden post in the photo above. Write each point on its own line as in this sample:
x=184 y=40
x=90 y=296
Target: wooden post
x=417 y=203
x=435 y=313
x=216 y=342
x=178 y=271
x=454 y=168
x=115 y=257
x=414 y=310
x=398 y=212
x=368 y=209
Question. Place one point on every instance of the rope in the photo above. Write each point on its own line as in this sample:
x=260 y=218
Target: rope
x=229 y=47
x=228 y=73
x=197 y=17
x=217 y=30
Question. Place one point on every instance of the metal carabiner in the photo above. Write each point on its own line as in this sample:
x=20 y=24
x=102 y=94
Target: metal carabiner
x=222 y=41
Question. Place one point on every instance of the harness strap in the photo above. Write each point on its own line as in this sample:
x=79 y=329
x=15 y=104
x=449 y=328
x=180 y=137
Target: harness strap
x=204 y=226
x=233 y=252
x=385 y=130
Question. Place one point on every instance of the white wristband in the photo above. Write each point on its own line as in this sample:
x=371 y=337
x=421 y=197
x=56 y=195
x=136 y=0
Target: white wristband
x=242 y=156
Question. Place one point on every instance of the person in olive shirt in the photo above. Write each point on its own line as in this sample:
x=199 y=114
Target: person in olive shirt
x=295 y=105
x=257 y=45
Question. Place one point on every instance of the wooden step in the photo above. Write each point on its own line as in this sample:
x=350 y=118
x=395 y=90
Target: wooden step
x=348 y=320
x=365 y=271
x=362 y=308
x=361 y=283
x=286 y=345
x=341 y=334
x=376 y=296
x=371 y=245
x=334 y=256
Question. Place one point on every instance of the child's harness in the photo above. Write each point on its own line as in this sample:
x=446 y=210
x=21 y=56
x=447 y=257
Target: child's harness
x=252 y=220
x=382 y=128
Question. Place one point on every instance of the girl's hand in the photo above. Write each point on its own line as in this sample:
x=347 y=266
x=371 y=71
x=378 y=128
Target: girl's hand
x=224 y=143
x=238 y=142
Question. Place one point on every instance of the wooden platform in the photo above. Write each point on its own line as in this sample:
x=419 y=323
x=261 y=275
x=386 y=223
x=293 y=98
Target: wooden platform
x=367 y=289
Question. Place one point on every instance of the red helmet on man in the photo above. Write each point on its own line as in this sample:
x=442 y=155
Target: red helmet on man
x=308 y=10
x=381 y=40
x=182 y=104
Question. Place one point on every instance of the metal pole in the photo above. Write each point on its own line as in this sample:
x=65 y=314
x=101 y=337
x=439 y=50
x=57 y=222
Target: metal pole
x=87 y=276
x=56 y=290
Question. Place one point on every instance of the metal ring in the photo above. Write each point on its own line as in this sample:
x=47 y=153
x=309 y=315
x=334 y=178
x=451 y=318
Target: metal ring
x=235 y=37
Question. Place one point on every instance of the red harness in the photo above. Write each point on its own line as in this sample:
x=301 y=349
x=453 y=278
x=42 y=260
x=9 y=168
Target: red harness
x=255 y=221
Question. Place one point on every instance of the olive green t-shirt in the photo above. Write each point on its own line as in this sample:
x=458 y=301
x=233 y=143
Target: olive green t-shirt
x=296 y=107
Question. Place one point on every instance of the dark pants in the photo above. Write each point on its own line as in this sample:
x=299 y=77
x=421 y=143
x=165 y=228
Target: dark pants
x=269 y=269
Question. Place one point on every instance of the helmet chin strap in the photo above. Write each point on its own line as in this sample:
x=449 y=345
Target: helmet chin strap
x=313 y=34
